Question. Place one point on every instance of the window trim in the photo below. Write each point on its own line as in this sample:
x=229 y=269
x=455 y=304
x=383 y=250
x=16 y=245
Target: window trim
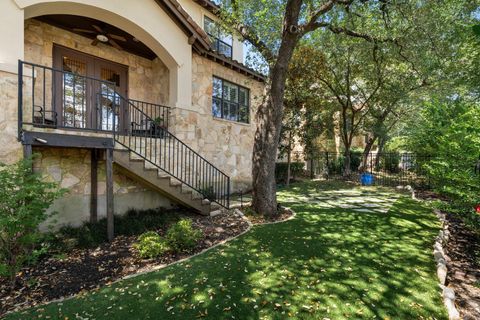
x=216 y=40
x=222 y=99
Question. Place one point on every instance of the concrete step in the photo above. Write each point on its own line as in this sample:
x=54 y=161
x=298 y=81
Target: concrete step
x=168 y=186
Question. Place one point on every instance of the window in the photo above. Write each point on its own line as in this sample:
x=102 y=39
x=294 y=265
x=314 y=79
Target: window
x=230 y=101
x=221 y=41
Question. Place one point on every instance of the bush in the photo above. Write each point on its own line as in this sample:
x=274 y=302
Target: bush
x=450 y=134
x=25 y=200
x=182 y=237
x=150 y=245
x=91 y=235
x=390 y=162
x=336 y=164
x=296 y=170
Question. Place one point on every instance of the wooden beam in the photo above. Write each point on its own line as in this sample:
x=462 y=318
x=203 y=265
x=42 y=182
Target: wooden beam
x=47 y=139
x=27 y=151
x=93 y=186
x=109 y=192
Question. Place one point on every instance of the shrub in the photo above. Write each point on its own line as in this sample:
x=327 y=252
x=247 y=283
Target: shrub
x=182 y=237
x=91 y=235
x=296 y=170
x=450 y=134
x=390 y=162
x=25 y=200
x=336 y=162
x=150 y=245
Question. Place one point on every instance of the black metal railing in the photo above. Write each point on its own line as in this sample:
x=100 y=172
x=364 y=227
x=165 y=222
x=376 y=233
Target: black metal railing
x=158 y=113
x=387 y=168
x=60 y=99
x=64 y=100
x=156 y=145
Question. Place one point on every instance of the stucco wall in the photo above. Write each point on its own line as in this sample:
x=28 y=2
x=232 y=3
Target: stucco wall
x=147 y=80
x=198 y=13
x=227 y=144
x=70 y=168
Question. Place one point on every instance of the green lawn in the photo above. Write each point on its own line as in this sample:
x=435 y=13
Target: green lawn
x=349 y=253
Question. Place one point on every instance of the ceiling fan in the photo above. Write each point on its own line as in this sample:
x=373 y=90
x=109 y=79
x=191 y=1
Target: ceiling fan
x=103 y=36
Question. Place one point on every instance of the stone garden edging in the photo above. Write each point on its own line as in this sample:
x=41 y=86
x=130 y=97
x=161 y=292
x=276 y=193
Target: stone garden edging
x=440 y=258
x=441 y=240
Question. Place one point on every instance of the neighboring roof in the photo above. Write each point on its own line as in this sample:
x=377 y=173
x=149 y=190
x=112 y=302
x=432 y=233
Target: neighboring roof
x=200 y=40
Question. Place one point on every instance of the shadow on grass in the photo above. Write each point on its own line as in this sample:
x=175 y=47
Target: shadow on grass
x=328 y=262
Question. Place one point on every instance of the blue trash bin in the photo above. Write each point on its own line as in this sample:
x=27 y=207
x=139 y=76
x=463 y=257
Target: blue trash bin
x=366 y=179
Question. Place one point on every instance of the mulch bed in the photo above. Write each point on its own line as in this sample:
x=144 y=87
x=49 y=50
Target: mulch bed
x=87 y=269
x=463 y=251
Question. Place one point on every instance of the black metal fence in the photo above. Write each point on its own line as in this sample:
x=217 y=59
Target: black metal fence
x=387 y=169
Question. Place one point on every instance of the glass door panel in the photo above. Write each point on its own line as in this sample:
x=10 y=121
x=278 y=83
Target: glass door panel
x=74 y=89
x=109 y=106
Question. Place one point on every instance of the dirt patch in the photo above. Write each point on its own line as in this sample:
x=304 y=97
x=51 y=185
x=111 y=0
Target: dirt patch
x=463 y=251
x=86 y=269
x=255 y=218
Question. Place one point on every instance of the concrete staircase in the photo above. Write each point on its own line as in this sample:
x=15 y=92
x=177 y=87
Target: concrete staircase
x=149 y=173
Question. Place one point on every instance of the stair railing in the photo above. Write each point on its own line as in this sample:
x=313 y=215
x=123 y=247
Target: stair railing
x=150 y=139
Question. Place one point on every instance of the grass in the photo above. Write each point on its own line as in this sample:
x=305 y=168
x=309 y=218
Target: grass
x=350 y=253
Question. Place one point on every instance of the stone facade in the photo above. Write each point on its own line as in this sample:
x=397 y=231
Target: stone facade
x=227 y=144
x=70 y=168
x=11 y=149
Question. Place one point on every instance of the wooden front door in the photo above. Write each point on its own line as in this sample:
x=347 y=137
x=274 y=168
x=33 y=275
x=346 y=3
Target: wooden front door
x=91 y=93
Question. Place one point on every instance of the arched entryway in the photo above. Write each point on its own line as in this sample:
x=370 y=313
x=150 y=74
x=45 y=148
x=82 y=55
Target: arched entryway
x=147 y=22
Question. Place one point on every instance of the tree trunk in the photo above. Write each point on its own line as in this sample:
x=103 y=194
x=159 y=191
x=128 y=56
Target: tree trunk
x=347 y=171
x=264 y=156
x=366 y=152
x=269 y=118
x=289 y=159
x=381 y=144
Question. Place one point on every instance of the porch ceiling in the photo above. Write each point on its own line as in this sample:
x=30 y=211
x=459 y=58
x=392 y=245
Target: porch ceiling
x=75 y=24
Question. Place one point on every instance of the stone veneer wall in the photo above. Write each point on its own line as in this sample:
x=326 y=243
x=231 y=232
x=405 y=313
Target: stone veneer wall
x=227 y=144
x=11 y=149
x=147 y=80
x=70 y=168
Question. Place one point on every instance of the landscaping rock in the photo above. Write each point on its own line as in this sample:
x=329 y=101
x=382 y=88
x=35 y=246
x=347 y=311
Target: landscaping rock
x=449 y=300
x=216 y=212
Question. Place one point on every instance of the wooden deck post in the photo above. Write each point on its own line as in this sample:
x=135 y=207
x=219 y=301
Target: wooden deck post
x=109 y=193
x=27 y=151
x=93 y=186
